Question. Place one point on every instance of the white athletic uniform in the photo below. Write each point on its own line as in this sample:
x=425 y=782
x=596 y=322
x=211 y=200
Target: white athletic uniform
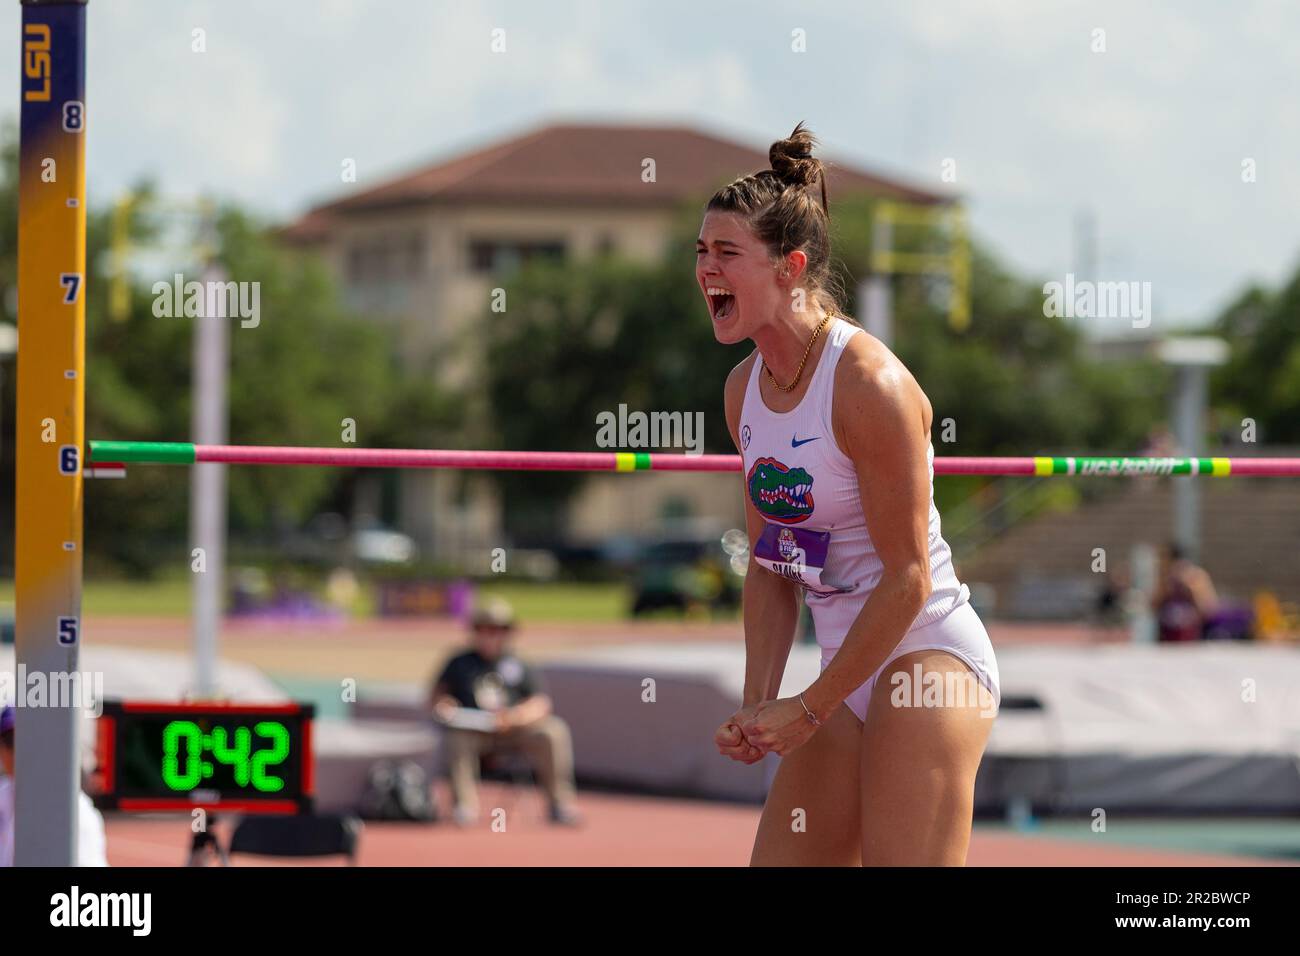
x=806 y=490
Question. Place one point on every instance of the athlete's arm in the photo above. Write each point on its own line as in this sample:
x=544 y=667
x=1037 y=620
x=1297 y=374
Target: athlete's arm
x=1202 y=589
x=527 y=712
x=770 y=602
x=771 y=608
x=880 y=418
x=440 y=698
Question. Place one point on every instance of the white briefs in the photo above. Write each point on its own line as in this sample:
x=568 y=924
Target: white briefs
x=961 y=633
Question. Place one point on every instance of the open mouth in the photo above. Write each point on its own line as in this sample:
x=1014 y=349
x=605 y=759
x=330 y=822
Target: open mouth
x=722 y=302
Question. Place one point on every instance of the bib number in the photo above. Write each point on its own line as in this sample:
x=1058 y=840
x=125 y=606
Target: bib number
x=799 y=555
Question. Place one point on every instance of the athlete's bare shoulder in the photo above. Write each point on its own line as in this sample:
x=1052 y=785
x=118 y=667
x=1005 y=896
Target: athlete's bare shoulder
x=864 y=353
x=870 y=379
x=734 y=392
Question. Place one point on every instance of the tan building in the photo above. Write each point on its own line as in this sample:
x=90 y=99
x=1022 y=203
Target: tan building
x=424 y=251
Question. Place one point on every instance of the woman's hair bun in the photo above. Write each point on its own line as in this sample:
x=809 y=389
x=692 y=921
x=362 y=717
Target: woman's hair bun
x=792 y=159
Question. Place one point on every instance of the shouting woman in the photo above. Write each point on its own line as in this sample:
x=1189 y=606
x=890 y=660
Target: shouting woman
x=879 y=753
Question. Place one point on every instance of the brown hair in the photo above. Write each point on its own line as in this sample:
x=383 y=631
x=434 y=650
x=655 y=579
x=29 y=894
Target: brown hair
x=783 y=211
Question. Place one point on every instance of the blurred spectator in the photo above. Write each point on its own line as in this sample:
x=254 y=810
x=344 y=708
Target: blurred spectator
x=1185 y=598
x=90 y=835
x=489 y=700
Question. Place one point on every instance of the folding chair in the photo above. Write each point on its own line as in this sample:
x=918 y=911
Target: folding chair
x=512 y=766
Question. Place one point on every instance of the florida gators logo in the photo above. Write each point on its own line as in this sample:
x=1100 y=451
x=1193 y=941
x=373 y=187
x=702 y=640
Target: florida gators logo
x=779 y=492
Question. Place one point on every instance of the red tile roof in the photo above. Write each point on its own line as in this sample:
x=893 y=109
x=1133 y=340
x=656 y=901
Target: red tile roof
x=587 y=164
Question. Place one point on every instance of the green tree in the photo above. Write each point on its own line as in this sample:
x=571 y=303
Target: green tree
x=1018 y=382
x=580 y=339
x=294 y=377
x=575 y=342
x=1261 y=379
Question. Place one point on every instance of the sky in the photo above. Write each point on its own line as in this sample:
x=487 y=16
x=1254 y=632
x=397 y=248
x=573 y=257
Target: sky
x=1139 y=116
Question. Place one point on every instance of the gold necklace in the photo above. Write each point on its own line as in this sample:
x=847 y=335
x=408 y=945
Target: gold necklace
x=806 y=352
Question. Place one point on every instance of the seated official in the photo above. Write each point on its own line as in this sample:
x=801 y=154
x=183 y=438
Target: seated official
x=488 y=700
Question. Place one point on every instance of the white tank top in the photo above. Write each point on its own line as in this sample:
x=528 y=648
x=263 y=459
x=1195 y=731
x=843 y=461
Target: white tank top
x=802 y=484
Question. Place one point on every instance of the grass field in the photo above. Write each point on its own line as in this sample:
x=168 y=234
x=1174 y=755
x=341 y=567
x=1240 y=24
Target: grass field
x=563 y=602
x=163 y=598
x=170 y=597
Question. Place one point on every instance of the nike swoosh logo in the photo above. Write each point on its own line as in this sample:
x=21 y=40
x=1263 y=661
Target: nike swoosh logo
x=795 y=442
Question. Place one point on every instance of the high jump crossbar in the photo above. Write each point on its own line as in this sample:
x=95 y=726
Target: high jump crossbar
x=188 y=453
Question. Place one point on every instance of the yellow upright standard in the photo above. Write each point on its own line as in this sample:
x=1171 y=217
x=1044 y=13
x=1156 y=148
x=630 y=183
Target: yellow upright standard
x=51 y=399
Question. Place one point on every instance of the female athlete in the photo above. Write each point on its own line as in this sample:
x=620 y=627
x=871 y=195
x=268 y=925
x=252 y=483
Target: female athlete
x=879 y=753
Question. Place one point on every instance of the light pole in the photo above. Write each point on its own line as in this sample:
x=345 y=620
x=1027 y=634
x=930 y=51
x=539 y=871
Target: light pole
x=1191 y=357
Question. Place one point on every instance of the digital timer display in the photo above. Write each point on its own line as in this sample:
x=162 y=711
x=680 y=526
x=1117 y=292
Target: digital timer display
x=255 y=758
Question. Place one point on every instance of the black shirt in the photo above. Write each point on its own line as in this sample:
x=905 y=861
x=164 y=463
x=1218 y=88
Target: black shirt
x=489 y=685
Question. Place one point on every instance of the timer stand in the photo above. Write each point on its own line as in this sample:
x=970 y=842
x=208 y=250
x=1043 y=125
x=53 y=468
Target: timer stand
x=205 y=843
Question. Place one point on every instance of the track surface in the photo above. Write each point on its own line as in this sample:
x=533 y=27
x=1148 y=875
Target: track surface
x=618 y=831
x=404 y=649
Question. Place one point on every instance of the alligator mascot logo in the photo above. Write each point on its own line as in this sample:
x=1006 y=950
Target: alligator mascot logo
x=780 y=493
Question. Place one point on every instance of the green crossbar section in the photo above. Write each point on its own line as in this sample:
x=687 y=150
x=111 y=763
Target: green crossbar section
x=153 y=452
x=1133 y=466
